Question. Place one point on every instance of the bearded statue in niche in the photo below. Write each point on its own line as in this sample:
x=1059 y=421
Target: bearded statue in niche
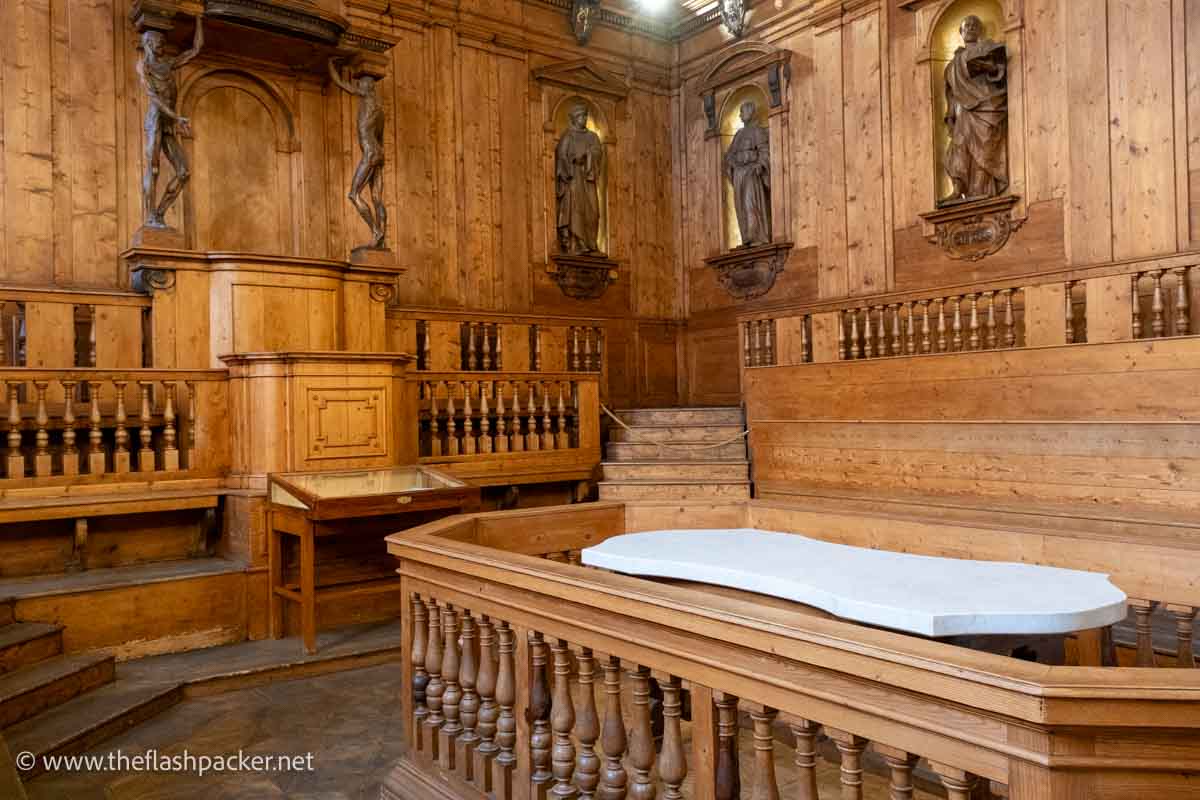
x=578 y=161
x=748 y=166
x=976 y=159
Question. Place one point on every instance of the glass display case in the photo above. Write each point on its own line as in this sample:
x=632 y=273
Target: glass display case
x=305 y=507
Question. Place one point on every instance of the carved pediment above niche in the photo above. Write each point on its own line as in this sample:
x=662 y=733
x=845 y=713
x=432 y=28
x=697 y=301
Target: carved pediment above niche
x=762 y=64
x=583 y=75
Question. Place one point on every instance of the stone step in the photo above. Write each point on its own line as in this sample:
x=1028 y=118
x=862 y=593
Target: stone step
x=675 y=470
x=673 y=433
x=675 y=451
x=716 y=415
x=26 y=643
x=31 y=690
x=674 y=490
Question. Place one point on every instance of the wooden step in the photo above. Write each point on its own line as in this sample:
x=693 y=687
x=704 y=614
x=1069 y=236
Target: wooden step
x=674 y=490
x=675 y=451
x=25 y=643
x=30 y=691
x=7 y=613
x=673 y=433
x=714 y=415
x=675 y=470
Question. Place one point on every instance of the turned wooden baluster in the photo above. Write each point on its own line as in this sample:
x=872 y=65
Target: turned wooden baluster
x=881 y=331
x=910 y=329
x=587 y=727
x=190 y=439
x=501 y=422
x=766 y=787
x=991 y=338
x=1069 y=312
x=470 y=360
x=506 y=720
x=486 y=443
x=562 y=722
x=95 y=456
x=841 y=337
x=435 y=438
x=1158 y=319
x=960 y=784
x=537 y=348
x=1185 y=623
x=145 y=453
x=452 y=444
x=15 y=460
x=485 y=329
x=672 y=760
x=70 y=455
x=452 y=694
x=469 y=446
x=756 y=350
x=1142 y=609
x=746 y=345
x=420 y=681
x=974 y=325
x=769 y=356
x=806 y=732
x=900 y=764
x=539 y=714
x=957 y=340
x=868 y=334
x=591 y=344
x=941 y=325
x=428 y=348
x=857 y=349
x=518 y=439
x=547 y=434
x=926 y=341
x=851 y=747
x=121 y=456
x=613 y=780
x=489 y=712
x=805 y=344
x=641 y=738
x=532 y=440
x=1135 y=302
x=170 y=453
x=897 y=342
x=1010 y=322
x=599 y=354
x=563 y=438
x=42 y=460
x=1182 y=312
x=435 y=688
x=499 y=359
x=468 y=706
x=575 y=348
x=92 y=319
x=727 y=780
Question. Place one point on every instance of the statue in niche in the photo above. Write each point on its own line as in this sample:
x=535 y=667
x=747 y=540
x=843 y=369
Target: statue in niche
x=748 y=166
x=163 y=124
x=369 y=172
x=578 y=161
x=583 y=17
x=977 y=114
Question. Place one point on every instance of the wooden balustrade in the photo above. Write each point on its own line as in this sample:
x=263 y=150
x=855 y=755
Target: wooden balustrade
x=507 y=415
x=1161 y=302
x=892 y=707
x=986 y=320
x=585 y=348
x=67 y=423
x=499 y=343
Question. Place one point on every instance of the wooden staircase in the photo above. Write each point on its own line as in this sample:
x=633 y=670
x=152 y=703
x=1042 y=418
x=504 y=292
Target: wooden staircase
x=35 y=674
x=676 y=454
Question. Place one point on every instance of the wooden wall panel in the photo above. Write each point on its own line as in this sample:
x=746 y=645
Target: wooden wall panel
x=866 y=260
x=833 y=273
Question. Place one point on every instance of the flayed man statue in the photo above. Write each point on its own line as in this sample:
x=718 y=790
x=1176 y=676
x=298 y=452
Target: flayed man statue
x=369 y=172
x=163 y=124
x=977 y=114
x=748 y=166
x=578 y=162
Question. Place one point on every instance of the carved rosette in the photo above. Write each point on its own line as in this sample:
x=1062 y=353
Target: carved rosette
x=582 y=277
x=975 y=229
x=750 y=272
x=383 y=292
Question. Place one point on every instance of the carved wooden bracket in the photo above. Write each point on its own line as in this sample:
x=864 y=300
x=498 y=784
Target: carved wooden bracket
x=750 y=272
x=582 y=277
x=148 y=280
x=973 y=229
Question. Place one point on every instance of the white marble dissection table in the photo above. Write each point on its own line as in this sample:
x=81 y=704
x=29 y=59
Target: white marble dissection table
x=925 y=595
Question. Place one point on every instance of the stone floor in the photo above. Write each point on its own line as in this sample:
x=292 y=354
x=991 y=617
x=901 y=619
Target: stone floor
x=349 y=721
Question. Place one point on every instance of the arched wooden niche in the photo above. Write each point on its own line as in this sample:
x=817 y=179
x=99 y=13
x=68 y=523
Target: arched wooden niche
x=245 y=139
x=758 y=72
x=558 y=88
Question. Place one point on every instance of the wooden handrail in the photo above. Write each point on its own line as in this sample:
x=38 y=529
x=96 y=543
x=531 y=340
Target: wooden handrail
x=100 y=374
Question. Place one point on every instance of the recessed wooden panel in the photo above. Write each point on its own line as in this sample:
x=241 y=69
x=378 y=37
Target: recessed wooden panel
x=713 y=356
x=658 y=365
x=347 y=423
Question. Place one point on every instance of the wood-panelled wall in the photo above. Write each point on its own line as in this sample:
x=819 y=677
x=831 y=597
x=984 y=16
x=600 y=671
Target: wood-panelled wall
x=1104 y=118
x=469 y=197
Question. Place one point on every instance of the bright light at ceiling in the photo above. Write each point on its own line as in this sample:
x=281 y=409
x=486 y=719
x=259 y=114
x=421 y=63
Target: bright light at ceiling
x=654 y=6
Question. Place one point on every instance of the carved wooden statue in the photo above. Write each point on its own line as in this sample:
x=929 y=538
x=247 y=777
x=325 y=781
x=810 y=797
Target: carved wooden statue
x=163 y=124
x=583 y=19
x=748 y=165
x=578 y=161
x=733 y=14
x=977 y=114
x=369 y=173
